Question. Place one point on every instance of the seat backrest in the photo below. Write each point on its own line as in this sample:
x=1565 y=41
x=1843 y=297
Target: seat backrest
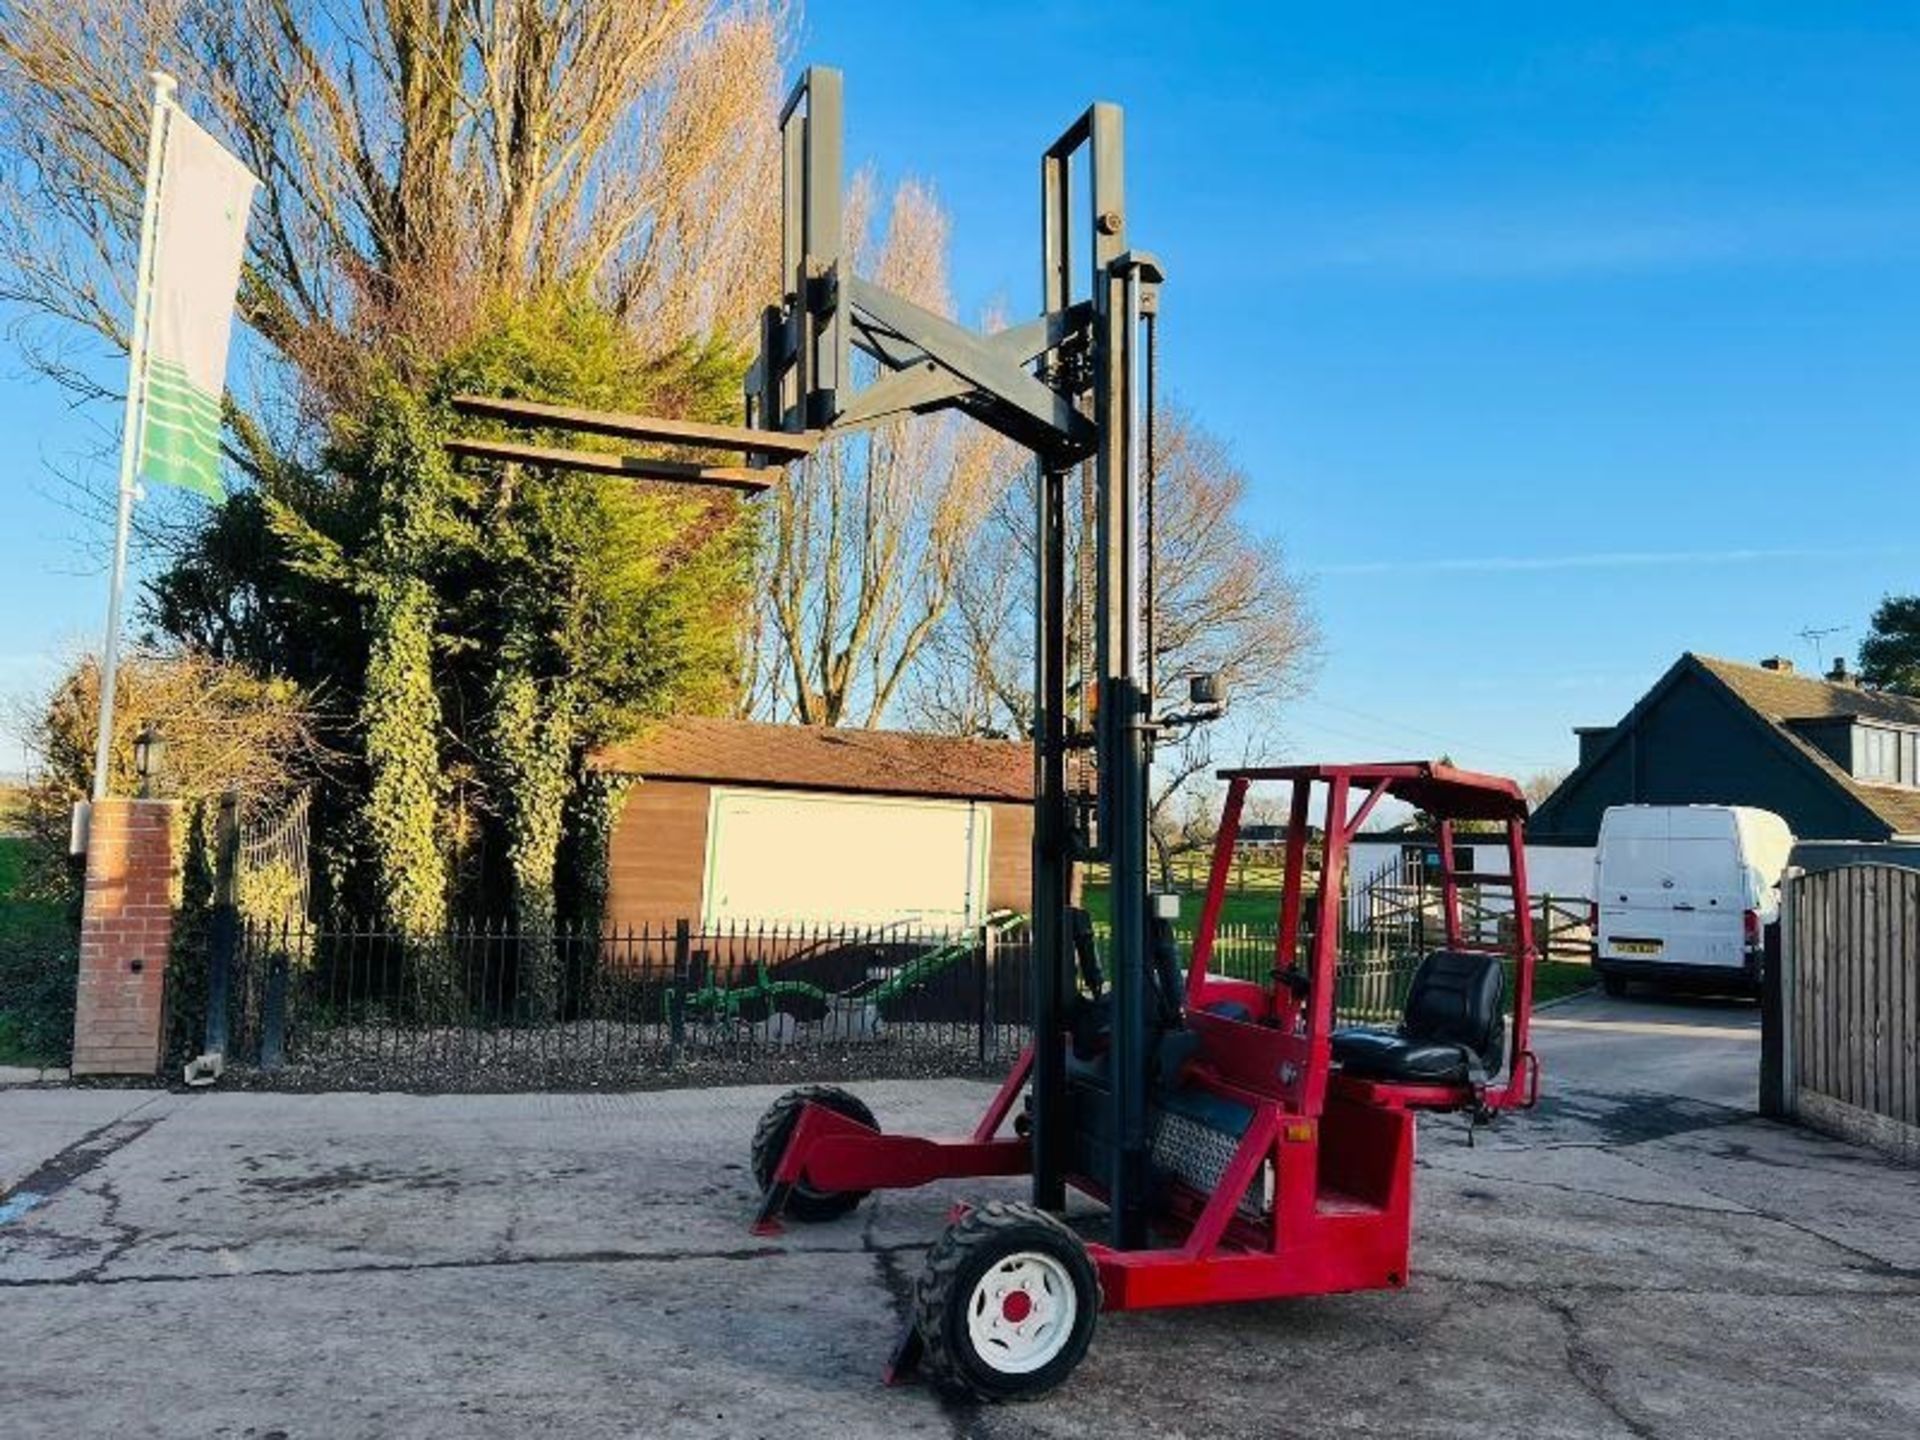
x=1458 y=998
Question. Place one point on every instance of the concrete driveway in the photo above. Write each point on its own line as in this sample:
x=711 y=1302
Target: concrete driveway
x=1638 y=1258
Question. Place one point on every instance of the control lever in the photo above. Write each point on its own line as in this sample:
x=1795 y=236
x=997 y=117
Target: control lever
x=1298 y=981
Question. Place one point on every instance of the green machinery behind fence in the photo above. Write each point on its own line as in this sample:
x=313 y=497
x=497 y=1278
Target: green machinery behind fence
x=851 y=1013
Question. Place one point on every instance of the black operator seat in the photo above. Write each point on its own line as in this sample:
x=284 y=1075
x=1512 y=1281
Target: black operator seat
x=1453 y=1030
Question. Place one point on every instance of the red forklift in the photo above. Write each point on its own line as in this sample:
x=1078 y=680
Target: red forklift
x=1242 y=1147
x=1278 y=1146
x=1237 y=1144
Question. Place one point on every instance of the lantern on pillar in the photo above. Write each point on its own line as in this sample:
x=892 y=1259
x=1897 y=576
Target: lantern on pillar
x=149 y=758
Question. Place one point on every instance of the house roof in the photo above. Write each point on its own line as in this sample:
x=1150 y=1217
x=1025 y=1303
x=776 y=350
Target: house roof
x=1776 y=698
x=1787 y=695
x=1782 y=696
x=819 y=757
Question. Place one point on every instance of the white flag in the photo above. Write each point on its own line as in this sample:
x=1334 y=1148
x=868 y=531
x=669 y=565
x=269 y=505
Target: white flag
x=200 y=240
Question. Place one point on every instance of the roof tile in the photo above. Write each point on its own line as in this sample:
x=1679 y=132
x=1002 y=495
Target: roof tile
x=1782 y=696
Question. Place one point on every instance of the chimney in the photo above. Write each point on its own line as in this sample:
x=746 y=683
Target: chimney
x=1839 y=674
x=1591 y=737
x=1778 y=663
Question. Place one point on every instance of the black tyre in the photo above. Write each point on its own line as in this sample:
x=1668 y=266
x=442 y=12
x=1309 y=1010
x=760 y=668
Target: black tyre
x=770 y=1143
x=1614 y=985
x=1007 y=1304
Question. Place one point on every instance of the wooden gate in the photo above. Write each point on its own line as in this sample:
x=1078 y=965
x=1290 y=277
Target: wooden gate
x=1849 y=1004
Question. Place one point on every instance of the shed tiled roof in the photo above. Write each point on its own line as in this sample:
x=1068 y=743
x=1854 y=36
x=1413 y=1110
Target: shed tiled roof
x=1782 y=696
x=817 y=757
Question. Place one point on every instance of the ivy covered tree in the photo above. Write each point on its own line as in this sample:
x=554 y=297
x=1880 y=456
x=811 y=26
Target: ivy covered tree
x=511 y=619
x=595 y=605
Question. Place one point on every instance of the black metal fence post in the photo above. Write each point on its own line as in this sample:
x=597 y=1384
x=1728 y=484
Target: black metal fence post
x=987 y=1040
x=273 y=1021
x=682 y=973
x=223 y=923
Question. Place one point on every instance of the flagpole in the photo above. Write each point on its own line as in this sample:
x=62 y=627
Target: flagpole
x=163 y=87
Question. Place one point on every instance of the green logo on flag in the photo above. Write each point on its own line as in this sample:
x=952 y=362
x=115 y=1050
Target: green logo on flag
x=181 y=444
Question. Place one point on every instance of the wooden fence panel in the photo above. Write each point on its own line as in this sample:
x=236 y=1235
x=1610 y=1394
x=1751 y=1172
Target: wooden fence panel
x=1853 y=1003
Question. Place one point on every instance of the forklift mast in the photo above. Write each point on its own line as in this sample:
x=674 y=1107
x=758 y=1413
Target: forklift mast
x=1074 y=387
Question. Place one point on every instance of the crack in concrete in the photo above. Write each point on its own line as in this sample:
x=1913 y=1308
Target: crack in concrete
x=1736 y=1211
x=1874 y=1264
x=1604 y=1289
x=898 y=1283
x=1870 y=1263
x=1733 y=1206
x=125 y=1236
x=962 y=1419
x=1590 y=1372
x=82 y=1157
x=401 y=1267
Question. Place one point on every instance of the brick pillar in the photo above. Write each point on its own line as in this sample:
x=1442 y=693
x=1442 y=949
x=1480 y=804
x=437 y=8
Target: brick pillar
x=120 y=1016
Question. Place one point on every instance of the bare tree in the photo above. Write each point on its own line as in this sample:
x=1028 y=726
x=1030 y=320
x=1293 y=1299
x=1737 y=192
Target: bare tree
x=1226 y=604
x=1542 y=783
x=225 y=727
x=418 y=159
x=867 y=542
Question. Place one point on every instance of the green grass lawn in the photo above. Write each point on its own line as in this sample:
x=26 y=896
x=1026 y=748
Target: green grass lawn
x=1254 y=908
x=1557 y=979
x=1258 y=909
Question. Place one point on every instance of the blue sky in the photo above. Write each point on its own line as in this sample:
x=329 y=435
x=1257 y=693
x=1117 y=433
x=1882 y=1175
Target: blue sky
x=1556 y=339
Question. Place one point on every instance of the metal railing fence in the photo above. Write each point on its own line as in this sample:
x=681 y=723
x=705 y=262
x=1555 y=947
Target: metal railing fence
x=487 y=1006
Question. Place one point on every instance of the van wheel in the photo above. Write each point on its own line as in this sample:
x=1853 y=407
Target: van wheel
x=1614 y=985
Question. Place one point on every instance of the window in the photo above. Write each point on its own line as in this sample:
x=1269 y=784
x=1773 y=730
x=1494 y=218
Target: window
x=1884 y=756
x=1872 y=763
x=1430 y=869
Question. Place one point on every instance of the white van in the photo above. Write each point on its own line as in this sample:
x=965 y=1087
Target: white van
x=1685 y=892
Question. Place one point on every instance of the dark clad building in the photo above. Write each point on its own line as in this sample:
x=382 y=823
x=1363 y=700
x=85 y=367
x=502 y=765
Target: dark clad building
x=1834 y=760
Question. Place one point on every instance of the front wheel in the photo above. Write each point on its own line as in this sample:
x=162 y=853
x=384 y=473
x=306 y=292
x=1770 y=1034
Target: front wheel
x=1006 y=1305
x=770 y=1139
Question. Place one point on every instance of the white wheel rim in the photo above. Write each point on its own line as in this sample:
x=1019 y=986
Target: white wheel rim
x=1021 y=1313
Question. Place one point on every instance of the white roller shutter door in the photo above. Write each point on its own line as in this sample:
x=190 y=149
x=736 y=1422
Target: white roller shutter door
x=798 y=858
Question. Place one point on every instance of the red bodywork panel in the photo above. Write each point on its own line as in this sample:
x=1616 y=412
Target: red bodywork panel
x=1332 y=1154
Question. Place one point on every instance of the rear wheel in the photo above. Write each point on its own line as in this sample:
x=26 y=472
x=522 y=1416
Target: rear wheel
x=770 y=1143
x=1007 y=1304
x=1614 y=985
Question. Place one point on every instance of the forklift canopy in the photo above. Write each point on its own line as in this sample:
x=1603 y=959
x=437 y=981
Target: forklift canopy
x=1440 y=790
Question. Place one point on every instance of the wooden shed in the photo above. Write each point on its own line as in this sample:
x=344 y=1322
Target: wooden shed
x=738 y=823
